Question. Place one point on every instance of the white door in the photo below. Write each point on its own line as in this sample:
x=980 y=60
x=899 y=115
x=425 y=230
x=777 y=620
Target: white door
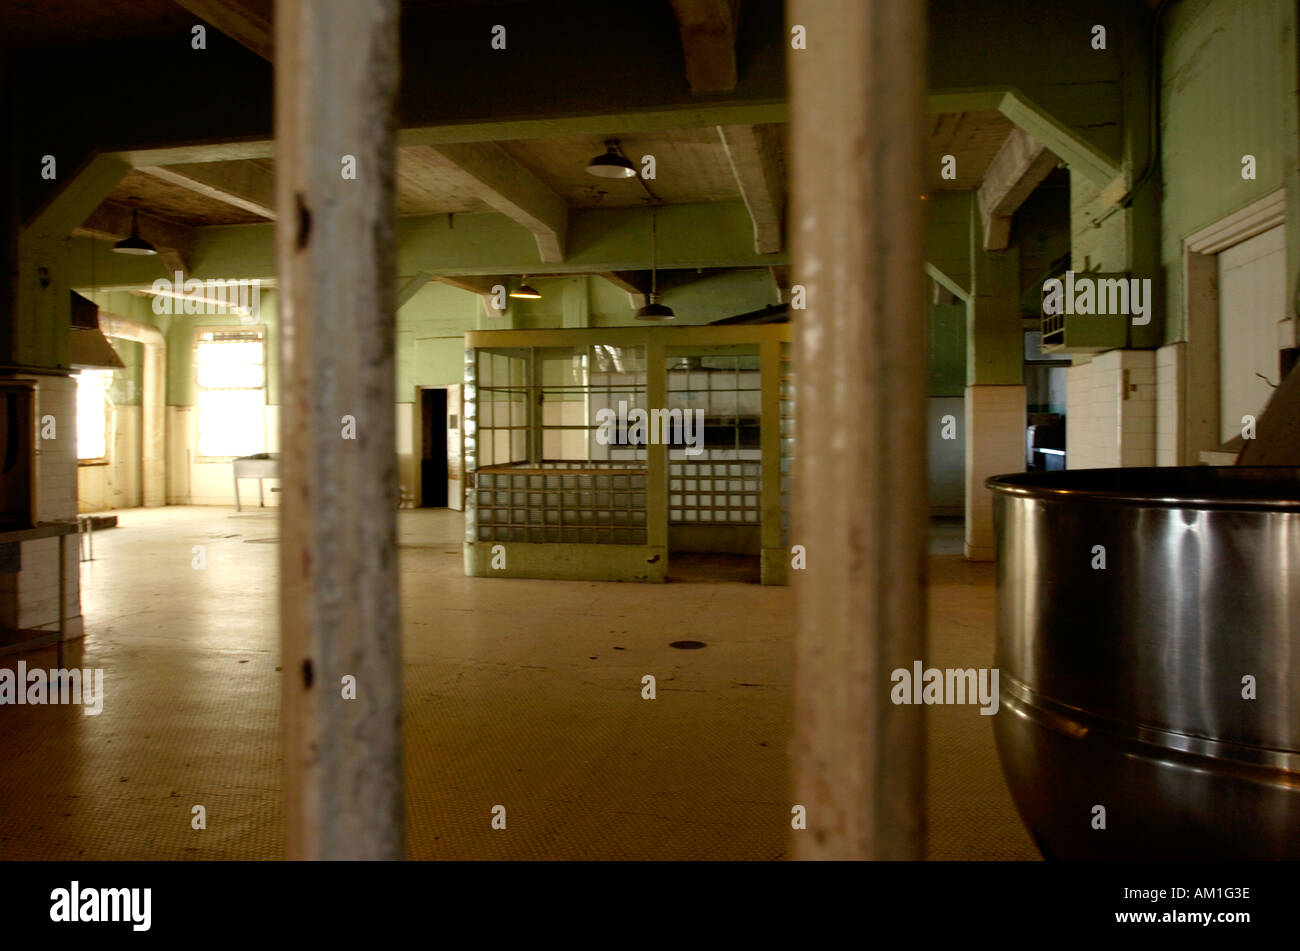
x=455 y=470
x=1252 y=299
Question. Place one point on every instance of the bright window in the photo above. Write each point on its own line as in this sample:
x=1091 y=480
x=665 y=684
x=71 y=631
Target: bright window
x=92 y=414
x=231 y=384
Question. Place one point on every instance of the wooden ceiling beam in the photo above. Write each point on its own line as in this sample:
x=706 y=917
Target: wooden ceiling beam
x=237 y=21
x=708 y=31
x=1015 y=171
x=781 y=281
x=633 y=283
x=482 y=286
x=704 y=235
x=410 y=287
x=243 y=185
x=501 y=182
x=475 y=285
x=751 y=150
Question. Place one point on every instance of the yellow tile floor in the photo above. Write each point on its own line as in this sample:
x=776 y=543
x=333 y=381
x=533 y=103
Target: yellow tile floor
x=520 y=693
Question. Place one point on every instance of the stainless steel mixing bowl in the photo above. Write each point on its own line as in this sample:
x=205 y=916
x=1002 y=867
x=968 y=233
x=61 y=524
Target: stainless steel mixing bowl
x=1125 y=686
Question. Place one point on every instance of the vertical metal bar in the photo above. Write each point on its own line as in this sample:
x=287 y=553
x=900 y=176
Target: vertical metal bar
x=63 y=584
x=774 y=561
x=856 y=109
x=656 y=454
x=335 y=86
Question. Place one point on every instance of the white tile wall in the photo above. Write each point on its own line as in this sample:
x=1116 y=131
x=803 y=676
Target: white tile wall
x=1111 y=410
x=1169 y=403
x=37 y=585
x=995 y=445
x=56 y=459
x=1078 y=416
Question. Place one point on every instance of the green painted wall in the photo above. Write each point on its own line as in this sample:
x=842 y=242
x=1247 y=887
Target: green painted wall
x=703 y=299
x=431 y=330
x=179 y=330
x=948 y=349
x=947 y=238
x=431 y=326
x=1229 y=89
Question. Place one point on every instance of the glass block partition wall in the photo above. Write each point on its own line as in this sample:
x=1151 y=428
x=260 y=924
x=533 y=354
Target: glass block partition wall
x=557 y=486
x=558 y=502
x=721 y=484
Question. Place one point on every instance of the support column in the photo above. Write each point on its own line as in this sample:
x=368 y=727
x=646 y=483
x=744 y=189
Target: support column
x=656 y=513
x=153 y=402
x=335 y=83
x=995 y=393
x=774 y=560
x=860 y=510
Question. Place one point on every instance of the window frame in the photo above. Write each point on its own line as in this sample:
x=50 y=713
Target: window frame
x=262 y=330
x=106 y=458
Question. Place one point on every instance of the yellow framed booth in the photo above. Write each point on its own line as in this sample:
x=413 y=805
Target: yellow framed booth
x=598 y=453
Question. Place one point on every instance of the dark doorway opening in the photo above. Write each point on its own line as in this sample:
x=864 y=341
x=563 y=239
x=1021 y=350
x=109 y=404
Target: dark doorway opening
x=433 y=448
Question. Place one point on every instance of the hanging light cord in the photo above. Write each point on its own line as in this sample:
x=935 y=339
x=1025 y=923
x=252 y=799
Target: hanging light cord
x=654 y=252
x=639 y=177
x=648 y=190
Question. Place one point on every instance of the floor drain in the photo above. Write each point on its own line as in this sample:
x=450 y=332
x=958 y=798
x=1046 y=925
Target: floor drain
x=688 y=645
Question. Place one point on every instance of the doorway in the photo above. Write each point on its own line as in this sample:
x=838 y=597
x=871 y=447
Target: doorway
x=1252 y=295
x=433 y=448
x=1234 y=280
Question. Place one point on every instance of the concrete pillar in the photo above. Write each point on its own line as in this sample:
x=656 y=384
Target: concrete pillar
x=995 y=445
x=995 y=392
x=857 y=114
x=774 y=559
x=153 y=400
x=576 y=302
x=335 y=84
x=656 y=394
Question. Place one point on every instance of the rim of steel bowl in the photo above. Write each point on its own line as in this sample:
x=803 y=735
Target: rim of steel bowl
x=1202 y=487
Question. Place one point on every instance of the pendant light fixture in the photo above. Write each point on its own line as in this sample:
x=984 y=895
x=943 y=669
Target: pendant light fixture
x=133 y=243
x=653 y=310
x=612 y=164
x=524 y=292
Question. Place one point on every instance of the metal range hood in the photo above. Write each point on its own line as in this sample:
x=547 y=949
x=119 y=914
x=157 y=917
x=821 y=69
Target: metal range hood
x=87 y=346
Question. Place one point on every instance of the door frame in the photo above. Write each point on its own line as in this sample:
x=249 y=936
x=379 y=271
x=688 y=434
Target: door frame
x=1200 y=381
x=417 y=439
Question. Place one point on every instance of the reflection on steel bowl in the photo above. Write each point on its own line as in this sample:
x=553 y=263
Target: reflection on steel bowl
x=1149 y=647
